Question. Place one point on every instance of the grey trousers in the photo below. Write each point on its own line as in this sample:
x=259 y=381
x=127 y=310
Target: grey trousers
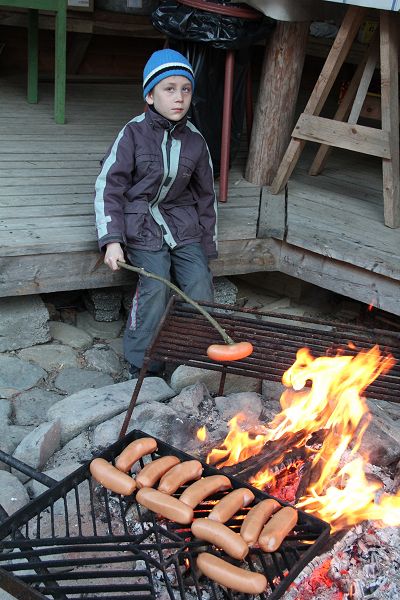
x=187 y=266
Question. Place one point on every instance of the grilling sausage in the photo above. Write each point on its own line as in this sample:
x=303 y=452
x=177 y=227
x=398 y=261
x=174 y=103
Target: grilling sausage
x=133 y=452
x=256 y=518
x=179 y=475
x=154 y=470
x=235 y=578
x=111 y=478
x=221 y=536
x=277 y=528
x=230 y=504
x=227 y=352
x=164 y=505
x=201 y=489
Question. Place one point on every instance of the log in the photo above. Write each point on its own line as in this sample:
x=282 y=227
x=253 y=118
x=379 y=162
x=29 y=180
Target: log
x=276 y=104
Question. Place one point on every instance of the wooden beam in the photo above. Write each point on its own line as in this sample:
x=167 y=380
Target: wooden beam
x=40 y=273
x=340 y=277
x=336 y=57
x=348 y=136
x=272 y=217
x=390 y=115
x=276 y=102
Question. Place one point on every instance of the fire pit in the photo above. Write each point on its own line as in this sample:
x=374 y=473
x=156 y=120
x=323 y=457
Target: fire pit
x=77 y=540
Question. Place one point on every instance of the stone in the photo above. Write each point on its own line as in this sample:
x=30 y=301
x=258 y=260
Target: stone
x=107 y=433
x=161 y=421
x=99 y=329
x=184 y=376
x=35 y=488
x=5 y=446
x=17 y=375
x=70 y=335
x=13 y=495
x=225 y=291
x=79 y=449
x=189 y=400
x=381 y=448
x=23 y=322
x=102 y=358
x=50 y=356
x=272 y=390
x=117 y=345
x=36 y=448
x=30 y=407
x=14 y=434
x=88 y=408
x=5 y=411
x=248 y=403
x=104 y=304
x=73 y=380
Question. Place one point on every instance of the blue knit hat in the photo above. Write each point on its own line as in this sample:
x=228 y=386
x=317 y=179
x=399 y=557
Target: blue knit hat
x=163 y=64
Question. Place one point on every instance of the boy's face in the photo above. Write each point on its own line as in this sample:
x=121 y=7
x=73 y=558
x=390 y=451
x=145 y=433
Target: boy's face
x=171 y=97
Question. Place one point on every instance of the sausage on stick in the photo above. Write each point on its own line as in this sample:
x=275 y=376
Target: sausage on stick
x=277 y=528
x=201 y=489
x=256 y=518
x=179 y=475
x=230 y=504
x=235 y=578
x=221 y=536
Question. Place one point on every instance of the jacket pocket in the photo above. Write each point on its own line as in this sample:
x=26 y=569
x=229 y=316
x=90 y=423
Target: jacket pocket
x=135 y=216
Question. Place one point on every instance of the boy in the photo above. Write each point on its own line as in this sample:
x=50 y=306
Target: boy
x=155 y=201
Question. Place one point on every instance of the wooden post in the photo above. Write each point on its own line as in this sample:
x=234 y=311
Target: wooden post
x=390 y=115
x=276 y=104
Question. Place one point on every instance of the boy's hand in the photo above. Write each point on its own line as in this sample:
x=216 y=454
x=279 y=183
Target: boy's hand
x=114 y=252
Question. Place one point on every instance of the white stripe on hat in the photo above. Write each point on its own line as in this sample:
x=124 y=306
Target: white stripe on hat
x=171 y=65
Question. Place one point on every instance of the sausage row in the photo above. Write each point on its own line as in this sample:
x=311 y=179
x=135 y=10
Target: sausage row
x=265 y=524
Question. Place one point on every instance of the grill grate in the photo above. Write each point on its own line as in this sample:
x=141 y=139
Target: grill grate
x=77 y=541
x=184 y=335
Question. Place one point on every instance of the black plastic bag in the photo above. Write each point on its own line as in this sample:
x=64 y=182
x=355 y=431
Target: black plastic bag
x=221 y=31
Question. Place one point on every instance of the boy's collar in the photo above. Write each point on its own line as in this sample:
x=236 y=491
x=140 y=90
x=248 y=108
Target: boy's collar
x=166 y=122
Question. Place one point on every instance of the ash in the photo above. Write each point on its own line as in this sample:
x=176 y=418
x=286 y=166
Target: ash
x=364 y=564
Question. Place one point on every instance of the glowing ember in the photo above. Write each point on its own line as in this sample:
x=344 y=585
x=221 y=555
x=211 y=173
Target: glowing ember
x=335 y=404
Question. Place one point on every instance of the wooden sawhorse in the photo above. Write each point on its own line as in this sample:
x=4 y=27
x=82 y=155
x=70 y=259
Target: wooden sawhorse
x=383 y=142
x=60 y=8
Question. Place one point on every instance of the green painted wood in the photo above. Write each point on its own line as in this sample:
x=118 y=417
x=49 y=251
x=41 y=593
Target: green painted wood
x=33 y=56
x=60 y=8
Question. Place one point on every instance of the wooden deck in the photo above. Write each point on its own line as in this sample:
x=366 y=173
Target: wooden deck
x=327 y=230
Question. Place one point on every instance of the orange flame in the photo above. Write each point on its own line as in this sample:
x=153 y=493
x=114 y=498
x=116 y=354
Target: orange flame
x=202 y=433
x=335 y=404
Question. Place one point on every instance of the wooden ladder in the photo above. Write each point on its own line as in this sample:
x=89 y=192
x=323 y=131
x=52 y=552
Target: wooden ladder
x=339 y=133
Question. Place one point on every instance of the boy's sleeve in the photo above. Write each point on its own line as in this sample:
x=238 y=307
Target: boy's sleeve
x=114 y=180
x=203 y=181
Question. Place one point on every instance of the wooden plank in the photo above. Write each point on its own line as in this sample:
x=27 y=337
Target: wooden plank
x=349 y=136
x=43 y=200
x=272 y=217
x=339 y=50
x=390 y=115
x=340 y=242
x=8 y=215
x=344 y=107
x=365 y=81
x=342 y=278
x=40 y=273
